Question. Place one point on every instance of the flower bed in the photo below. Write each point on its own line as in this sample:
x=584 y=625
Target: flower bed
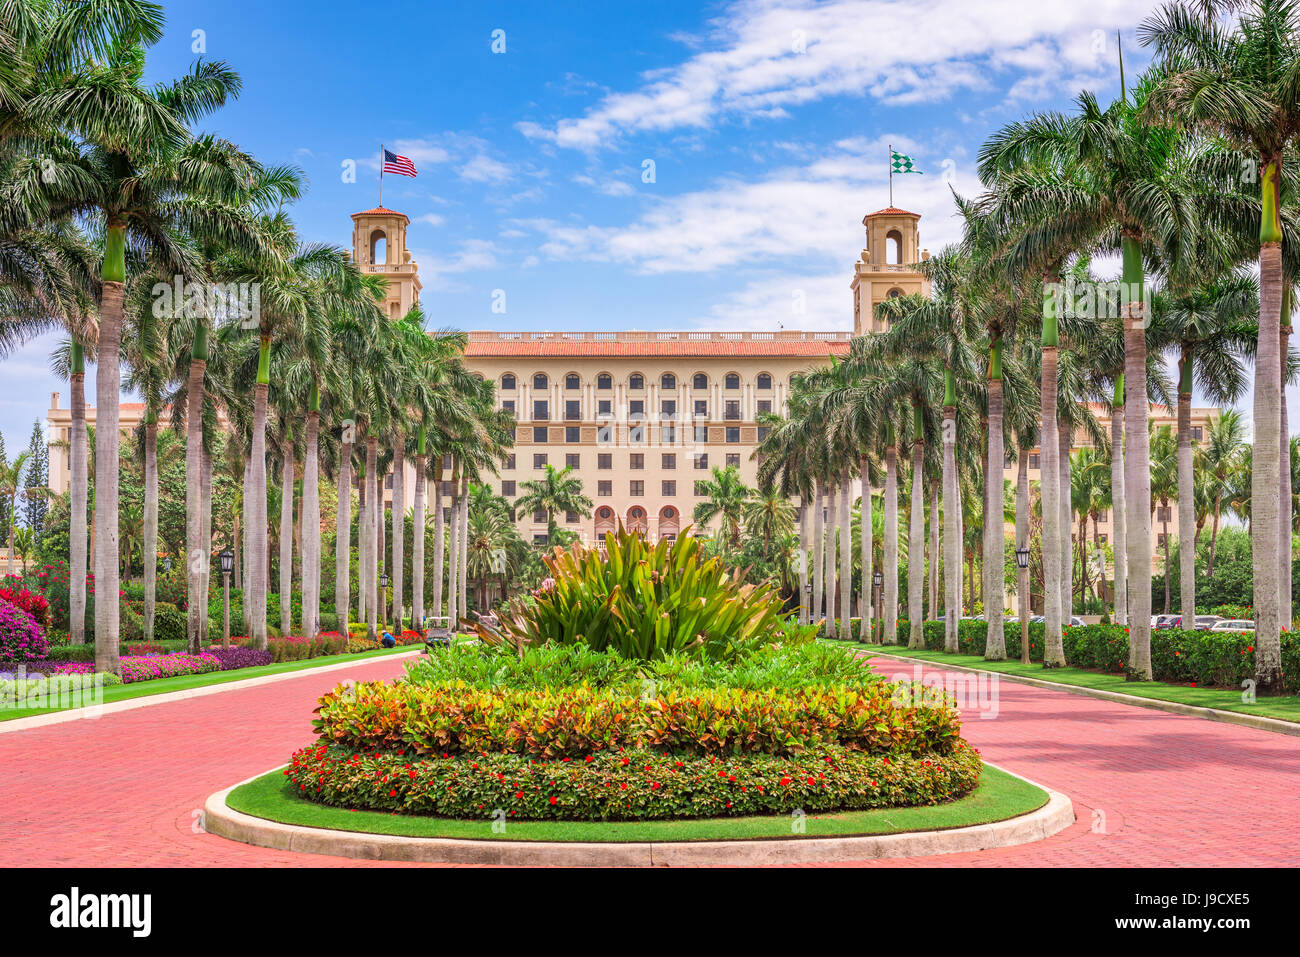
x=236 y=657
x=149 y=667
x=630 y=785
x=299 y=647
x=34 y=603
x=21 y=636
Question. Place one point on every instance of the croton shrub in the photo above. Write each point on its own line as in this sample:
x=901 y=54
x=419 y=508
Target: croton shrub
x=629 y=784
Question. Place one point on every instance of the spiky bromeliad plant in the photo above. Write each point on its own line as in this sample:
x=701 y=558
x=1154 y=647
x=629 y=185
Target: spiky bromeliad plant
x=644 y=603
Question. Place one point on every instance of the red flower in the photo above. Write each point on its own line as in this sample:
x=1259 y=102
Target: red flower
x=785 y=781
x=519 y=796
x=553 y=796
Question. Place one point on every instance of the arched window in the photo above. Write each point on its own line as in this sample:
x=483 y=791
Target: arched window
x=540 y=381
x=732 y=381
x=571 y=381
x=508 y=383
x=895 y=293
x=668 y=381
x=893 y=247
x=378 y=246
x=764 y=380
x=605 y=512
x=636 y=381
x=701 y=381
x=604 y=381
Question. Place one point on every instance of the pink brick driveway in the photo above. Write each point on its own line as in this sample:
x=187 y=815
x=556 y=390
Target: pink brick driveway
x=1167 y=790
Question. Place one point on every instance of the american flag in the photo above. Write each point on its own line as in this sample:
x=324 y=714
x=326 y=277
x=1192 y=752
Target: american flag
x=396 y=163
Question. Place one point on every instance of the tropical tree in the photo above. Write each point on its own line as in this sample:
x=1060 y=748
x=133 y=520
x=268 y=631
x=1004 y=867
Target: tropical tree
x=726 y=498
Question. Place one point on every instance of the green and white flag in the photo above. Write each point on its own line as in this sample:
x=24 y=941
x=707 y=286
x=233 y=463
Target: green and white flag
x=898 y=163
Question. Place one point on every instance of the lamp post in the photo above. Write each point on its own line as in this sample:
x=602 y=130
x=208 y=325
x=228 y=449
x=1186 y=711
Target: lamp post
x=1022 y=566
x=227 y=563
x=383 y=605
x=877 y=582
x=807 y=603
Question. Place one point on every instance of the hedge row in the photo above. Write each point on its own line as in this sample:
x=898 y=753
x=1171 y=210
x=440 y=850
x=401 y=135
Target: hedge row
x=635 y=784
x=574 y=722
x=1204 y=658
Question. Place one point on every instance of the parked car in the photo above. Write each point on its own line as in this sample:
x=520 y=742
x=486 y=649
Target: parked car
x=1169 y=621
x=1240 y=625
x=1206 y=622
x=1075 y=620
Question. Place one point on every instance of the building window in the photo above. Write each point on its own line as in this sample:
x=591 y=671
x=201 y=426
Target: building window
x=572 y=410
x=668 y=434
x=508 y=488
x=731 y=410
x=571 y=518
x=764 y=381
x=1034 y=460
x=541 y=410
x=446 y=489
x=1103 y=516
x=1197 y=433
x=636 y=460
x=540 y=381
x=765 y=405
x=732 y=381
x=539 y=515
x=541 y=539
x=604 y=407
x=388 y=480
x=604 y=381
x=539 y=460
x=539 y=435
x=668 y=408
x=605 y=489
x=636 y=408
x=733 y=433
x=699 y=489
x=636 y=488
x=508 y=405
x=702 y=407
x=572 y=433
x=702 y=461
x=669 y=487
x=571 y=460
x=1006 y=461
x=604 y=461
x=701 y=381
x=1162 y=514
x=733 y=460
x=668 y=461
x=668 y=381
x=636 y=381
x=701 y=434
x=763 y=431
x=572 y=382
x=508 y=383
x=510 y=462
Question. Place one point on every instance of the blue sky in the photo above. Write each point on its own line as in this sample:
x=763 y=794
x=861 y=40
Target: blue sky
x=767 y=124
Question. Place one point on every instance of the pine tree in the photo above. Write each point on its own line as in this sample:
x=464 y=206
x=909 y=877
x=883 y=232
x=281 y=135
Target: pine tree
x=4 y=503
x=37 y=479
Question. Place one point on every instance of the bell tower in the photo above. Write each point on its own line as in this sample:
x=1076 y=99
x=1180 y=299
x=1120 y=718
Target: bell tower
x=379 y=246
x=883 y=270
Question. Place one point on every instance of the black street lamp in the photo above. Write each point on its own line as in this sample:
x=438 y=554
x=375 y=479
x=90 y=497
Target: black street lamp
x=1022 y=564
x=383 y=604
x=878 y=581
x=227 y=564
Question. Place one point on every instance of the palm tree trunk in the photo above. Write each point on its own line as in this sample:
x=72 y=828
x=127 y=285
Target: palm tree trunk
x=1119 y=533
x=846 y=556
x=1049 y=454
x=79 y=493
x=453 y=550
x=246 y=579
x=1164 y=503
x=107 y=440
x=193 y=465
x=417 y=547
x=828 y=561
x=1024 y=604
x=891 y=545
x=463 y=575
x=1186 y=502
x=1137 y=469
x=399 y=530
x=865 y=590
x=439 y=538
x=951 y=531
x=994 y=534
x=372 y=538
x=1284 y=470
x=818 y=554
x=916 y=543
x=311 y=560
x=286 y=537
x=381 y=553
x=258 y=581
x=1063 y=437
x=343 y=536
x=150 y=521
x=363 y=542
x=205 y=537
x=933 y=568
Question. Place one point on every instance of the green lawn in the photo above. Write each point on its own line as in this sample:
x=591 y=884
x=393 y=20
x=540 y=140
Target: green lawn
x=999 y=796
x=1224 y=699
x=140 y=689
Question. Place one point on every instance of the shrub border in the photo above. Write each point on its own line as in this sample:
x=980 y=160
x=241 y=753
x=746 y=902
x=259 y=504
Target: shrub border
x=219 y=818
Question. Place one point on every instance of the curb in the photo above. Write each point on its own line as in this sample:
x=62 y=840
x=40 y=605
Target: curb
x=1258 y=722
x=223 y=821
x=89 y=712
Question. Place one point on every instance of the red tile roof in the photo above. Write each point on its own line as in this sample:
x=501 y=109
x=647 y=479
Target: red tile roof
x=819 y=348
x=893 y=211
x=381 y=211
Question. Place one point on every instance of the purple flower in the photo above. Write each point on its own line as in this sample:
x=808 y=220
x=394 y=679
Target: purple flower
x=21 y=638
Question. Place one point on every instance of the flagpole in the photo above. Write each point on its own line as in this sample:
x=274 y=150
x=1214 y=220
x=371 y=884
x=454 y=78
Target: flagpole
x=381 y=175
x=891 y=174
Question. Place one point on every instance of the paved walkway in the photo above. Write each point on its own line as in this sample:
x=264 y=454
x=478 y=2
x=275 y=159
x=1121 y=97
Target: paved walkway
x=1149 y=788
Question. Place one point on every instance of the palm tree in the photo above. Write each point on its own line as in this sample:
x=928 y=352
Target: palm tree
x=11 y=483
x=724 y=497
x=1164 y=487
x=768 y=514
x=1238 y=82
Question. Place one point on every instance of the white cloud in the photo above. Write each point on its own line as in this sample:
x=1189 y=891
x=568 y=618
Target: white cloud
x=433 y=219
x=471 y=255
x=484 y=169
x=790 y=301
x=762 y=57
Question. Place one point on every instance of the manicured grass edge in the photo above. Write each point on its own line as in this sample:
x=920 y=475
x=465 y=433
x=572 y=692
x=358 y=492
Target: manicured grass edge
x=158 y=686
x=1281 y=715
x=1000 y=796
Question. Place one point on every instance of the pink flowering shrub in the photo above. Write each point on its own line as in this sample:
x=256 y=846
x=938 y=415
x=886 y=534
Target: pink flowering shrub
x=21 y=638
x=149 y=667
